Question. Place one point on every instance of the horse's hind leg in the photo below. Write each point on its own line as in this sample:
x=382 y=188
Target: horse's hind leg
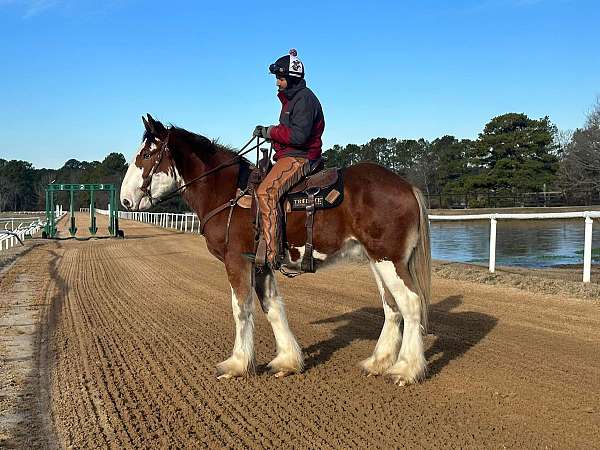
x=242 y=358
x=388 y=344
x=289 y=355
x=411 y=363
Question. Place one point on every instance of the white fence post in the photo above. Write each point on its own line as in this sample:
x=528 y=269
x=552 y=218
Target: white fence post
x=587 y=250
x=492 y=244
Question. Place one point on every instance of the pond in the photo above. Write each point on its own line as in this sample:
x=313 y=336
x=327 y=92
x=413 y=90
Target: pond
x=525 y=243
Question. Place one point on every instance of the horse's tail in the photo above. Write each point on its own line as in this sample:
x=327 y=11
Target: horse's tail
x=419 y=264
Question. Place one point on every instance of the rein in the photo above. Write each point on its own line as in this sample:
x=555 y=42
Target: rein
x=165 y=148
x=229 y=204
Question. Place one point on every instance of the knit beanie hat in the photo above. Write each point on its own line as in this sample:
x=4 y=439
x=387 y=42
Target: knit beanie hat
x=289 y=66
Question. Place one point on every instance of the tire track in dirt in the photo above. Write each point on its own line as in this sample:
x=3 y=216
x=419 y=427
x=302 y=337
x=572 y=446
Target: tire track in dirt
x=141 y=322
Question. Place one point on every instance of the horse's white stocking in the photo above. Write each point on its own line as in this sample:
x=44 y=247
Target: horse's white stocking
x=289 y=355
x=388 y=344
x=411 y=364
x=242 y=358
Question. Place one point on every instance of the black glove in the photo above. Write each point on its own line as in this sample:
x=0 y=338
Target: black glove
x=261 y=131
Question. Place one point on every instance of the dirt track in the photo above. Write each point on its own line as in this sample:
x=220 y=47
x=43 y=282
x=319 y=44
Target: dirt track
x=135 y=327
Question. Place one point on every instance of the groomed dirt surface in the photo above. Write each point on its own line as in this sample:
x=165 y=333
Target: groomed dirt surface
x=135 y=327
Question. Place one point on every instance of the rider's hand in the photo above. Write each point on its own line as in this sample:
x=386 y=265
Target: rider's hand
x=261 y=131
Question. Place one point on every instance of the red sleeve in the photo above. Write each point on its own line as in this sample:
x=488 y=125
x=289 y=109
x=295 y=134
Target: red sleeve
x=280 y=134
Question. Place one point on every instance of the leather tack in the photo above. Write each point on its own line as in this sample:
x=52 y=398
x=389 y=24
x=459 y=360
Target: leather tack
x=332 y=196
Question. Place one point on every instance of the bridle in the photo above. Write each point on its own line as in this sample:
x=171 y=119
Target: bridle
x=147 y=180
x=164 y=149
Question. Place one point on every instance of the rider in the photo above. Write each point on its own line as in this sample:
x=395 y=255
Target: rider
x=297 y=143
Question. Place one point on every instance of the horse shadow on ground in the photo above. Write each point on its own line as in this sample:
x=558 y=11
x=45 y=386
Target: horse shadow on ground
x=454 y=333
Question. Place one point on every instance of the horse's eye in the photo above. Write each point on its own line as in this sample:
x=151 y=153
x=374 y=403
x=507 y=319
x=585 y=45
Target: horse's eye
x=146 y=155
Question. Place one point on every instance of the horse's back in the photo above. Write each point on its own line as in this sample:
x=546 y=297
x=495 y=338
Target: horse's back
x=372 y=186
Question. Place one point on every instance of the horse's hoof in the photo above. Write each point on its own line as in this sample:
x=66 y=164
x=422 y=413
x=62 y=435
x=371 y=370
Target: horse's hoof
x=225 y=376
x=400 y=382
x=282 y=374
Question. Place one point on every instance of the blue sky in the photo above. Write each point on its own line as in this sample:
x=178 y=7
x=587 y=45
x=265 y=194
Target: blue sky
x=76 y=75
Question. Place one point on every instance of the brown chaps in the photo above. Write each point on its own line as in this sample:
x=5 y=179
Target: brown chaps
x=286 y=172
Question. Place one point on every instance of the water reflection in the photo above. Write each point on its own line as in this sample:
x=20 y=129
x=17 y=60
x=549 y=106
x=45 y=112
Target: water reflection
x=527 y=243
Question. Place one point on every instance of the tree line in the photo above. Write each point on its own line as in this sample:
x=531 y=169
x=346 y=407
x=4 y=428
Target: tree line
x=22 y=187
x=512 y=154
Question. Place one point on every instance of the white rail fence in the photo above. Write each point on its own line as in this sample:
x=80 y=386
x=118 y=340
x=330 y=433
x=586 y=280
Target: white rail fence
x=588 y=217
x=14 y=230
x=14 y=235
x=188 y=222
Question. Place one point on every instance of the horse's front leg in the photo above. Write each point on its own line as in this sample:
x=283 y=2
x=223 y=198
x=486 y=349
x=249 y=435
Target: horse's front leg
x=289 y=357
x=241 y=360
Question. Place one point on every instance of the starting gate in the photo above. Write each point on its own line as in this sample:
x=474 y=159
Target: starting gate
x=113 y=220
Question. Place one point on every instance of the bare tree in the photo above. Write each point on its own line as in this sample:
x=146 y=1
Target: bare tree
x=580 y=168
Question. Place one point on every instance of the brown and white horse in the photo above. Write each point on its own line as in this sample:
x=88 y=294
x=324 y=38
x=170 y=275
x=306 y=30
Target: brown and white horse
x=382 y=217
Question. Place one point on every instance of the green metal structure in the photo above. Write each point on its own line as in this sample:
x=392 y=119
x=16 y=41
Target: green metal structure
x=113 y=220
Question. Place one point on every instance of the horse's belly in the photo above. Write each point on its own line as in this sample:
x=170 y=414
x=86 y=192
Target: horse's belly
x=351 y=250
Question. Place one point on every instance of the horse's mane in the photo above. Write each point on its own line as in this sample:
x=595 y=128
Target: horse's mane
x=202 y=143
x=197 y=141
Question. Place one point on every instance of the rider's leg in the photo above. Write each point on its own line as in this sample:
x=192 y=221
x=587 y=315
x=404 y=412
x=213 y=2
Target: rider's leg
x=286 y=172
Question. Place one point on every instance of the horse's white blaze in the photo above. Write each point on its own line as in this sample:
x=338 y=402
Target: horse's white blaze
x=160 y=185
x=243 y=348
x=130 y=188
x=289 y=355
x=410 y=365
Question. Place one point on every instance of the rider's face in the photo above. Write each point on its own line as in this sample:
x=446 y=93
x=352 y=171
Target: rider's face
x=281 y=83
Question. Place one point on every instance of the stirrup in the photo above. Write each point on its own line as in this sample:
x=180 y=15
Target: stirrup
x=260 y=259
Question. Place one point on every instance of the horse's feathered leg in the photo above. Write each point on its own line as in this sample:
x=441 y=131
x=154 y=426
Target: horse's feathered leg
x=242 y=358
x=388 y=344
x=289 y=357
x=411 y=364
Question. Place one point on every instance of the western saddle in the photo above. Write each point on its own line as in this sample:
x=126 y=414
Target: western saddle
x=320 y=189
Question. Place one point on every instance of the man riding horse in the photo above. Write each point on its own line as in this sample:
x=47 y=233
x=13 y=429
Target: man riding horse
x=297 y=143
x=371 y=213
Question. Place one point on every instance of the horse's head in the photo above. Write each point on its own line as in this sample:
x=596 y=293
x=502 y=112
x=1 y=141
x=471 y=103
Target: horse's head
x=152 y=173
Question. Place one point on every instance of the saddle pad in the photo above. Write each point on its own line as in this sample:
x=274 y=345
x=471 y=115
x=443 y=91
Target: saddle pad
x=327 y=197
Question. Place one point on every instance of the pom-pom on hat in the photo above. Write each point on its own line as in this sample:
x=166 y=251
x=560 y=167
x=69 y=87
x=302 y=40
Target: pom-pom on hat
x=288 y=66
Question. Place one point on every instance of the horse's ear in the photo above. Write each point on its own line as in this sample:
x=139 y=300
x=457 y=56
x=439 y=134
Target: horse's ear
x=146 y=124
x=155 y=127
